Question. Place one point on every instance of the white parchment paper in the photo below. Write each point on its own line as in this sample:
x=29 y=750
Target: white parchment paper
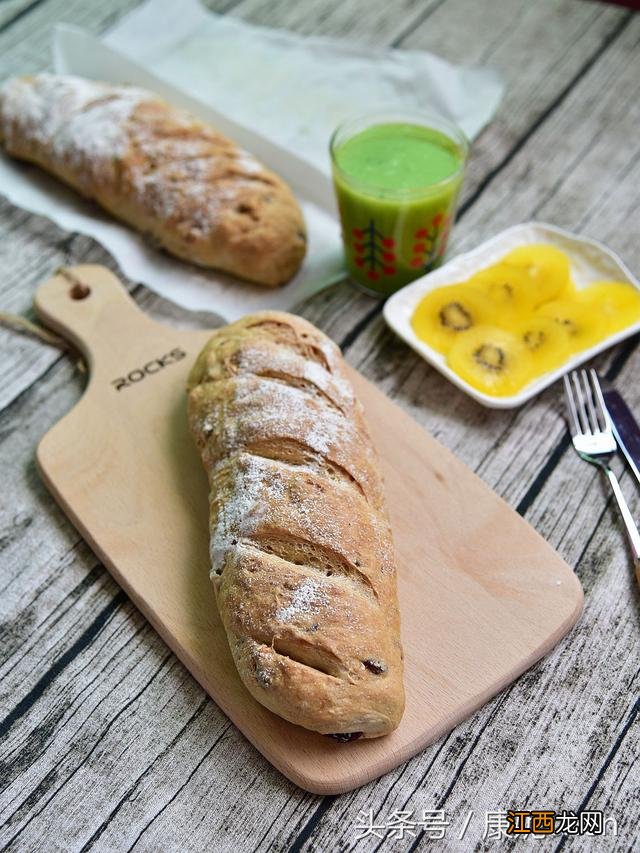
x=278 y=95
x=295 y=90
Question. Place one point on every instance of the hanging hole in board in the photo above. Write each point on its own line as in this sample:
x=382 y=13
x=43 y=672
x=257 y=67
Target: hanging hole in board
x=79 y=291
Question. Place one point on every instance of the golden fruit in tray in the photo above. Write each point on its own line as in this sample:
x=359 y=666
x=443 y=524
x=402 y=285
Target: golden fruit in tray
x=546 y=267
x=584 y=324
x=520 y=318
x=617 y=302
x=509 y=288
x=547 y=341
x=492 y=360
x=446 y=312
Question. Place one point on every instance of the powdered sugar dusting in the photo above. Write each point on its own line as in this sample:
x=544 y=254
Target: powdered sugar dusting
x=316 y=373
x=177 y=168
x=263 y=660
x=273 y=360
x=272 y=407
x=253 y=488
x=306 y=598
x=193 y=200
x=81 y=121
x=93 y=137
x=247 y=162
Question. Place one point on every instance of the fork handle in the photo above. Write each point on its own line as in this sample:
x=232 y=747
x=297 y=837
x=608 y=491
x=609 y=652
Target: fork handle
x=629 y=523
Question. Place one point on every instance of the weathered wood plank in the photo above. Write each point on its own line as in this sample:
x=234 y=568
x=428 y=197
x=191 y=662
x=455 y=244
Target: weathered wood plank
x=565 y=168
x=582 y=32
x=542 y=742
x=540 y=49
x=38 y=664
x=182 y=804
x=31 y=249
x=12 y=10
x=373 y=350
x=87 y=721
x=371 y=23
x=442 y=409
x=580 y=500
x=615 y=790
x=26 y=27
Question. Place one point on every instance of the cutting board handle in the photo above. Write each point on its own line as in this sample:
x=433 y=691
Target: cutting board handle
x=89 y=306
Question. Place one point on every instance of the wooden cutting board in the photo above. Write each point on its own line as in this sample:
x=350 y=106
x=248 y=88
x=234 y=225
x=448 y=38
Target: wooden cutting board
x=482 y=595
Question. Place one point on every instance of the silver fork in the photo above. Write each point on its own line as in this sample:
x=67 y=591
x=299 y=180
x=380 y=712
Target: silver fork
x=593 y=439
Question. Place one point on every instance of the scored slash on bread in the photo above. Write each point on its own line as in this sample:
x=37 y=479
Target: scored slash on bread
x=301 y=550
x=172 y=177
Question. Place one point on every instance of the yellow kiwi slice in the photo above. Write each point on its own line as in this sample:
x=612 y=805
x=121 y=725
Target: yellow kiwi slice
x=446 y=312
x=583 y=323
x=509 y=288
x=492 y=360
x=547 y=342
x=617 y=301
x=547 y=267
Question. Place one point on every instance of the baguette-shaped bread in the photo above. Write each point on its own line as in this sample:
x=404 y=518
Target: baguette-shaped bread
x=301 y=551
x=169 y=175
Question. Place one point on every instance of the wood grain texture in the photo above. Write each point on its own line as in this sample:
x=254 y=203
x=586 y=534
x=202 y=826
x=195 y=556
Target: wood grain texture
x=185 y=792
x=123 y=467
x=542 y=52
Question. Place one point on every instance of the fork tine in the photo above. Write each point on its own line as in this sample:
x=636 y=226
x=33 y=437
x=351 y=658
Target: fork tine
x=590 y=408
x=571 y=406
x=602 y=406
x=578 y=396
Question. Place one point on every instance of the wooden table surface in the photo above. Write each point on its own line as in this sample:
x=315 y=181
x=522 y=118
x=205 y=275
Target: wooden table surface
x=106 y=741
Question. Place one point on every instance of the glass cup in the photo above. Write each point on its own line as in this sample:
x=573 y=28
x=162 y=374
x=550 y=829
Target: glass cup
x=397 y=187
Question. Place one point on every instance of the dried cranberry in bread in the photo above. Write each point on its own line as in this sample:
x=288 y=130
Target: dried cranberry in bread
x=301 y=550
x=159 y=169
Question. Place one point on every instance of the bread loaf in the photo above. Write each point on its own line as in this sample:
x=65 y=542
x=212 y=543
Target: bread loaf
x=301 y=550
x=172 y=177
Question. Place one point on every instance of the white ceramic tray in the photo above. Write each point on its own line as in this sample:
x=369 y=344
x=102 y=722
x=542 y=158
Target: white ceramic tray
x=590 y=261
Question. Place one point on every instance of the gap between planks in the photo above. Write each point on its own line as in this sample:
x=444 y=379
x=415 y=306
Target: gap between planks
x=365 y=324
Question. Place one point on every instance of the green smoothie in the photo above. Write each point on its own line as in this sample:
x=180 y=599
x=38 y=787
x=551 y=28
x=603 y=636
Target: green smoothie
x=396 y=184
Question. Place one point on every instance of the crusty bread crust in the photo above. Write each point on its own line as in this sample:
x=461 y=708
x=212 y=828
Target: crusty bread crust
x=301 y=550
x=169 y=175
